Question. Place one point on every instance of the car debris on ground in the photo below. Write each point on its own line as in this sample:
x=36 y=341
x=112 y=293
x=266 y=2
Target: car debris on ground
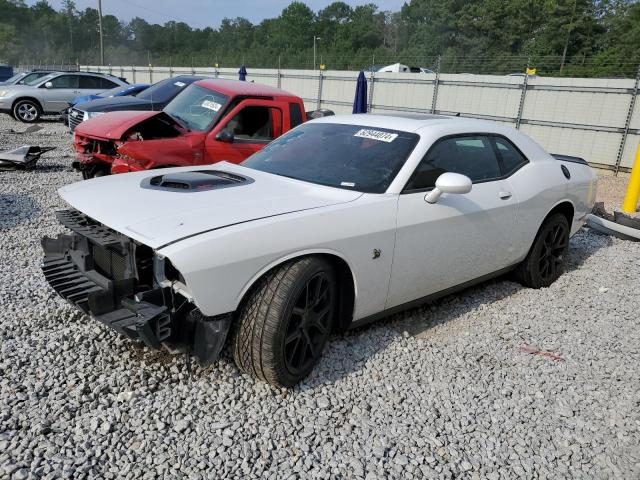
x=22 y=158
x=618 y=224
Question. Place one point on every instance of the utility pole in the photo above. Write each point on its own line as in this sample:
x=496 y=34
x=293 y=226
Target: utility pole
x=100 y=28
x=314 y=50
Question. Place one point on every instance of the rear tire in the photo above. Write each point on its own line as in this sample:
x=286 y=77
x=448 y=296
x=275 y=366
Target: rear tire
x=285 y=322
x=27 y=111
x=548 y=255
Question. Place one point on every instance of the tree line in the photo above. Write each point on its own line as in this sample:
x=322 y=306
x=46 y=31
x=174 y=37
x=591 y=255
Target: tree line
x=562 y=37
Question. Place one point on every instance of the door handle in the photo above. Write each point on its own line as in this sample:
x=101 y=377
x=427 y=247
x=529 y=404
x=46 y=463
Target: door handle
x=504 y=195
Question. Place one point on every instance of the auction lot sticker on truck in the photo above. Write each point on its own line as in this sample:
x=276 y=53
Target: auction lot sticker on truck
x=211 y=105
x=376 y=135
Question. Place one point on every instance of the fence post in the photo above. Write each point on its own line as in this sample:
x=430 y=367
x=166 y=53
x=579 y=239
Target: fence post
x=170 y=68
x=320 y=77
x=133 y=74
x=372 y=80
x=627 y=122
x=523 y=95
x=434 y=100
x=279 y=74
x=150 y=74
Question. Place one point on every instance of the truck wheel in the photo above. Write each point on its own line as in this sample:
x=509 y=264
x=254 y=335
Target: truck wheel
x=27 y=111
x=548 y=255
x=285 y=322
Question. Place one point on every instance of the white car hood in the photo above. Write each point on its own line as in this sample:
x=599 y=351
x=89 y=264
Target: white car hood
x=158 y=217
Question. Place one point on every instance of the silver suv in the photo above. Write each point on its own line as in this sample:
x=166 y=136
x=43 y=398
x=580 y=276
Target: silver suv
x=52 y=93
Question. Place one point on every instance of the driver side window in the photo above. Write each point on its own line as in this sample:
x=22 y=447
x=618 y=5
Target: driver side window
x=254 y=123
x=65 y=81
x=472 y=156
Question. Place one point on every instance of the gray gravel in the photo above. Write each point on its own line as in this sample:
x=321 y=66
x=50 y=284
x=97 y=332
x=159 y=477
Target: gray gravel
x=443 y=391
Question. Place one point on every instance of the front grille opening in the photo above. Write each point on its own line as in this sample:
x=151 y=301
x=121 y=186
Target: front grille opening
x=144 y=266
x=195 y=181
x=108 y=262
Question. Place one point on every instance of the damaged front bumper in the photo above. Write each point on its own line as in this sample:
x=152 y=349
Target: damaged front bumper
x=110 y=277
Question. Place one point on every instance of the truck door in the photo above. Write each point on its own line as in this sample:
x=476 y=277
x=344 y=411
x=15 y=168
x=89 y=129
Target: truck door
x=247 y=128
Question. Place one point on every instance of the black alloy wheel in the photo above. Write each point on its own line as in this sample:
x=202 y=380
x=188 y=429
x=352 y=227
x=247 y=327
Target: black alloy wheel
x=547 y=257
x=554 y=246
x=285 y=320
x=309 y=325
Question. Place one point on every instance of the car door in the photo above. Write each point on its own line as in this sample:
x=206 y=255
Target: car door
x=253 y=124
x=462 y=237
x=61 y=91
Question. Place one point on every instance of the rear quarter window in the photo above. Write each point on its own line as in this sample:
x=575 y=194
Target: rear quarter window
x=511 y=157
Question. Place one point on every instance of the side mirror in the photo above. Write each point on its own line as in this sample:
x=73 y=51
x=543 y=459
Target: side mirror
x=225 y=135
x=448 y=183
x=48 y=85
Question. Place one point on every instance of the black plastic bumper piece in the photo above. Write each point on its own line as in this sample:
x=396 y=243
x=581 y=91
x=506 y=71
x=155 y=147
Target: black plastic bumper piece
x=102 y=298
x=71 y=267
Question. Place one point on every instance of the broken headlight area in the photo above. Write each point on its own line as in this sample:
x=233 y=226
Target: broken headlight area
x=89 y=150
x=124 y=285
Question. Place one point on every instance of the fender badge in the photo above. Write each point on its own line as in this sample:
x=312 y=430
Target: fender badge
x=376 y=253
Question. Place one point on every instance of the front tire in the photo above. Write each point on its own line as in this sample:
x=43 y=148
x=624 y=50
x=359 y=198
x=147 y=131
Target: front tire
x=27 y=111
x=285 y=322
x=548 y=255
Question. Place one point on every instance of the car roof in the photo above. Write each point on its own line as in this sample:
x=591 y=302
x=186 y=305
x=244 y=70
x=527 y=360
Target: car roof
x=237 y=87
x=408 y=122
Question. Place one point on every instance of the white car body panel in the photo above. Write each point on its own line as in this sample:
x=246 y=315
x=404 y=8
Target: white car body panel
x=157 y=217
x=222 y=241
x=443 y=252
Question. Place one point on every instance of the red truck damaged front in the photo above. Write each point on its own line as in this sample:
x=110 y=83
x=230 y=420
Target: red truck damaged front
x=210 y=121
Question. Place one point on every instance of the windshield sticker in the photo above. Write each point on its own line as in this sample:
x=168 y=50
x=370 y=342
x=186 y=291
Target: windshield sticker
x=179 y=84
x=376 y=135
x=211 y=105
x=347 y=184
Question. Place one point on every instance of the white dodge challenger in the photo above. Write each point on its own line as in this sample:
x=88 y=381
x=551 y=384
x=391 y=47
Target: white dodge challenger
x=341 y=221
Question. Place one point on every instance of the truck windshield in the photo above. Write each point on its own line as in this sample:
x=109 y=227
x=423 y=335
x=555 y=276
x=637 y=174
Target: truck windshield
x=196 y=108
x=353 y=157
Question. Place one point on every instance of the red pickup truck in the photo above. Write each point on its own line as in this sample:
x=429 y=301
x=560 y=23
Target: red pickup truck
x=209 y=121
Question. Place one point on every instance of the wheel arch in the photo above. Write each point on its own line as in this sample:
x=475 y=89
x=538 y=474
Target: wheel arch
x=34 y=99
x=347 y=283
x=564 y=207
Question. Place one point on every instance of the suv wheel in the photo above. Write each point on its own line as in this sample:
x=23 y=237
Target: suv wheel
x=285 y=322
x=27 y=111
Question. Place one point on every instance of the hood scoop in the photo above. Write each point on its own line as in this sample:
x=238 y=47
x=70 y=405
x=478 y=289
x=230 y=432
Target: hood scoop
x=195 y=181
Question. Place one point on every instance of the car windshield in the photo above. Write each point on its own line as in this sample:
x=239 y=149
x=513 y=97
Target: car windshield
x=15 y=77
x=197 y=108
x=34 y=78
x=163 y=91
x=354 y=157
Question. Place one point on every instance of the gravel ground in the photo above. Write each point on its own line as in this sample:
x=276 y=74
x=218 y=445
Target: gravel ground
x=451 y=390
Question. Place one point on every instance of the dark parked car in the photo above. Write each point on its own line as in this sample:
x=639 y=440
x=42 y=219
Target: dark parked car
x=6 y=71
x=154 y=98
x=121 y=91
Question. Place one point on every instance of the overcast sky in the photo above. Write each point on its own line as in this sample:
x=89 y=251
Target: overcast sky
x=203 y=13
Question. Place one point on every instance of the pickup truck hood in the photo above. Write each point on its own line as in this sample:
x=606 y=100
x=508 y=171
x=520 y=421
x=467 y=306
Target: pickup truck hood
x=157 y=217
x=112 y=125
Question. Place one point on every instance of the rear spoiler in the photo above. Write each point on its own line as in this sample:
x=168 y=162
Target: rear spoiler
x=569 y=158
